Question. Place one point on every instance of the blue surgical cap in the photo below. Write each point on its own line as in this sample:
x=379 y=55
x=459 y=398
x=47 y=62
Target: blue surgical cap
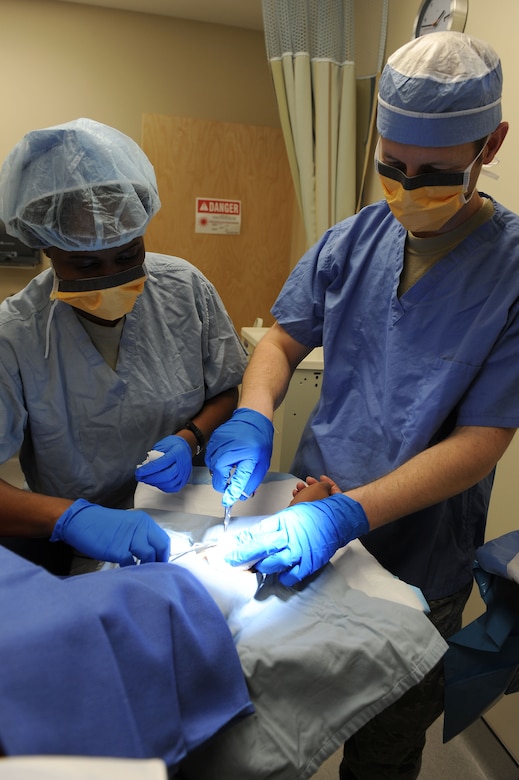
x=442 y=89
x=77 y=186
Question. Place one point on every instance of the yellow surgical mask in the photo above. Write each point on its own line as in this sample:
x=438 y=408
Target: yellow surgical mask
x=425 y=203
x=106 y=297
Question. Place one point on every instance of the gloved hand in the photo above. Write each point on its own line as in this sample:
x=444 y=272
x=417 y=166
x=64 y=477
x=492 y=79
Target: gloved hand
x=301 y=539
x=112 y=534
x=170 y=472
x=244 y=441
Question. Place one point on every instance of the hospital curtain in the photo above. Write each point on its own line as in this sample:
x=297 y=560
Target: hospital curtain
x=310 y=48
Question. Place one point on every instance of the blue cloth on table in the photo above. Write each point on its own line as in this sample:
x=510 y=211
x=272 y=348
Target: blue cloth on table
x=482 y=663
x=134 y=663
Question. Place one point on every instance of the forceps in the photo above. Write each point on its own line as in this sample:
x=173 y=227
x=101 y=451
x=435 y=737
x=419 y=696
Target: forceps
x=197 y=547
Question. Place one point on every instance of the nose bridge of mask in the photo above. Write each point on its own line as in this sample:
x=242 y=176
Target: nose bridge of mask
x=93 y=299
x=425 y=197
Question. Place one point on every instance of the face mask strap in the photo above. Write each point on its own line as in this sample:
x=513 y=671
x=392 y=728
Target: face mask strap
x=455 y=179
x=468 y=170
x=97 y=283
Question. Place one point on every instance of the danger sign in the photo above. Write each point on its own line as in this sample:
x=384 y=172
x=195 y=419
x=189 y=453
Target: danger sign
x=218 y=216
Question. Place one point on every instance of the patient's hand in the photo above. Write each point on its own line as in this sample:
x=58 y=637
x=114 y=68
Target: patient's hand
x=314 y=489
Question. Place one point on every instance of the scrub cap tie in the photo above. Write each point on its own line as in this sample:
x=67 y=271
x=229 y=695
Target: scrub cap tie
x=77 y=186
x=441 y=89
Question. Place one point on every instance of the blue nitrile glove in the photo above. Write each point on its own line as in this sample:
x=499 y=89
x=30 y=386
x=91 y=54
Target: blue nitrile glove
x=244 y=441
x=118 y=535
x=171 y=471
x=299 y=540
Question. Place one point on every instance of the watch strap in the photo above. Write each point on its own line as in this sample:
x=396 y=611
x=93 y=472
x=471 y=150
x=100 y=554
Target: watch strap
x=199 y=436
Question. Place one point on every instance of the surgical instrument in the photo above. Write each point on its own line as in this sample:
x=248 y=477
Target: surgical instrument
x=226 y=517
x=198 y=547
x=227 y=509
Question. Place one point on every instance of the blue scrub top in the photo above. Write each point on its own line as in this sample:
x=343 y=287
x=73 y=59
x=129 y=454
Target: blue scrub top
x=401 y=373
x=82 y=427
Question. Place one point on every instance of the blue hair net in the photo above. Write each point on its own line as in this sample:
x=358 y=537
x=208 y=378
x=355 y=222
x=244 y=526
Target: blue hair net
x=441 y=89
x=77 y=186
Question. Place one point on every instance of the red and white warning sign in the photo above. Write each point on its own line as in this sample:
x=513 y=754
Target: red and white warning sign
x=218 y=216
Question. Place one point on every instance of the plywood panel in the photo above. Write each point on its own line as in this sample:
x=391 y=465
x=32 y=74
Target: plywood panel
x=199 y=158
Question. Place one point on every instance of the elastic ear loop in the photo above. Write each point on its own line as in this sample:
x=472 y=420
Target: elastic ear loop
x=47 y=329
x=485 y=170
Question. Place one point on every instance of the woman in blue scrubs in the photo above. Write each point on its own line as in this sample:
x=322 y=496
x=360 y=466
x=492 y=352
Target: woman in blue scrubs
x=110 y=353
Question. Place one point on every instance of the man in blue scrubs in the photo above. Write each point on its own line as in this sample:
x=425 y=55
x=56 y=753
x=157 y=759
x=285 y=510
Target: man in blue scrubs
x=415 y=301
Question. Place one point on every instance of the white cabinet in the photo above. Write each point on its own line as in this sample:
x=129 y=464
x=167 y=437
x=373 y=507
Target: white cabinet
x=302 y=395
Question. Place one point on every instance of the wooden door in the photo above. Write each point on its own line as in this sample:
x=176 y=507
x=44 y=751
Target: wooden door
x=199 y=158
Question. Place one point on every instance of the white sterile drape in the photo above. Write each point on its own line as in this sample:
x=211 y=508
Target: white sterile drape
x=310 y=50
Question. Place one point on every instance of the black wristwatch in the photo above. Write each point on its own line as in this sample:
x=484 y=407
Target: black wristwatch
x=199 y=436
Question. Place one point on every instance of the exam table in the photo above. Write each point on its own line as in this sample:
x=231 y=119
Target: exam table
x=320 y=660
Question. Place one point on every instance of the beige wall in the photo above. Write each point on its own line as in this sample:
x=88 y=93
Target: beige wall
x=63 y=60
x=60 y=61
